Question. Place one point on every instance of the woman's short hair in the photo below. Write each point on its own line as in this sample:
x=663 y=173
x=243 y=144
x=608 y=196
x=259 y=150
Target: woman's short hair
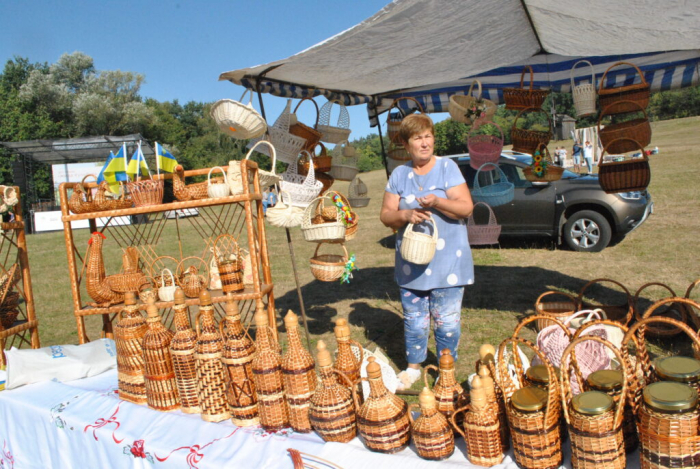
x=414 y=124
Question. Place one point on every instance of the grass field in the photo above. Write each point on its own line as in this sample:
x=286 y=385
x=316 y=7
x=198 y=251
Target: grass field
x=509 y=278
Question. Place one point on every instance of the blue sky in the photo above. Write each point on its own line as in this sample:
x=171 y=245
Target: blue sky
x=180 y=46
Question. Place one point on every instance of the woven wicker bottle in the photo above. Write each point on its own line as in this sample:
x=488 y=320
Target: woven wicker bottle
x=432 y=435
x=128 y=336
x=267 y=374
x=345 y=361
x=482 y=432
x=487 y=352
x=211 y=374
x=299 y=376
x=331 y=410
x=182 y=348
x=449 y=394
x=383 y=418
x=239 y=350
x=161 y=388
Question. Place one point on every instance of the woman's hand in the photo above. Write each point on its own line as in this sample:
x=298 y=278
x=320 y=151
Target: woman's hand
x=428 y=201
x=416 y=216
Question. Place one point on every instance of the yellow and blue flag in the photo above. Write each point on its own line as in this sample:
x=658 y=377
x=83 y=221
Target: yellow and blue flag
x=166 y=161
x=138 y=161
x=114 y=170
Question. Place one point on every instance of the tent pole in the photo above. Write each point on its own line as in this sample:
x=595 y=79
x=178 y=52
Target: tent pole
x=381 y=140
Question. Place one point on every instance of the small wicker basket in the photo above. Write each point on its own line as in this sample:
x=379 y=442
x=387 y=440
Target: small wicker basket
x=620 y=312
x=267 y=178
x=309 y=134
x=624 y=176
x=322 y=223
x=622 y=137
x=229 y=261
x=217 y=189
x=459 y=105
x=286 y=144
x=550 y=172
x=522 y=98
x=584 y=94
x=528 y=140
x=419 y=248
x=238 y=120
x=612 y=98
x=328 y=267
x=495 y=194
x=560 y=310
x=146 y=192
x=284 y=214
x=189 y=277
x=333 y=133
x=484 y=148
x=480 y=235
x=322 y=161
x=302 y=190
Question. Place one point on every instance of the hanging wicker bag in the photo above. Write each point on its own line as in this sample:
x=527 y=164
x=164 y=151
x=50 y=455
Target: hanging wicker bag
x=523 y=98
x=284 y=214
x=322 y=222
x=309 y=134
x=484 y=148
x=620 y=312
x=238 y=120
x=630 y=174
x=343 y=168
x=612 y=98
x=467 y=108
x=584 y=94
x=549 y=172
x=302 y=190
x=229 y=261
x=495 y=194
x=267 y=178
x=419 y=248
x=328 y=267
x=189 y=277
x=480 y=235
x=286 y=144
x=528 y=140
x=621 y=137
x=217 y=189
x=357 y=193
x=81 y=200
x=322 y=160
x=333 y=133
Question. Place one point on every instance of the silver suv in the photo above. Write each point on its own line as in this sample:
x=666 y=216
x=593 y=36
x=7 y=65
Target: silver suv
x=574 y=209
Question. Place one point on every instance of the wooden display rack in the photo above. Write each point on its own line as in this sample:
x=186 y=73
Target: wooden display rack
x=13 y=249
x=235 y=215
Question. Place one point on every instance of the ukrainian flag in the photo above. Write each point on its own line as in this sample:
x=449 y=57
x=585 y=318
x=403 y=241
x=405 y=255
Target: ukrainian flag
x=114 y=171
x=166 y=161
x=137 y=161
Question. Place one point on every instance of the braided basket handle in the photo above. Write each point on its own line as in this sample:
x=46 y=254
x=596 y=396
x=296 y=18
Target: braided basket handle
x=478 y=90
x=602 y=79
x=409 y=227
x=315 y=105
x=554 y=292
x=343 y=377
x=492 y=216
x=635 y=299
x=425 y=374
x=604 y=111
x=532 y=76
x=536 y=109
x=601 y=162
x=579 y=300
x=152 y=267
x=592 y=73
x=181 y=264
x=212 y=169
x=691 y=311
x=273 y=152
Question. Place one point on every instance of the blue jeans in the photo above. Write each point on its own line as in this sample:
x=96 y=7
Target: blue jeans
x=444 y=305
x=589 y=164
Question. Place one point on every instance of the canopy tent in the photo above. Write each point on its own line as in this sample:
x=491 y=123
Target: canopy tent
x=431 y=49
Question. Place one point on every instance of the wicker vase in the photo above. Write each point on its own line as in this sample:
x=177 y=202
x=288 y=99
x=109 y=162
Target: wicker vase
x=449 y=394
x=182 y=349
x=239 y=350
x=331 y=410
x=299 y=376
x=128 y=336
x=161 y=386
x=432 y=435
x=211 y=374
x=383 y=418
x=496 y=403
x=267 y=374
x=346 y=361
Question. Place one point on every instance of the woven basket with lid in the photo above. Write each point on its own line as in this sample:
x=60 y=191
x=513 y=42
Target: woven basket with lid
x=299 y=376
x=128 y=336
x=239 y=351
x=161 y=386
x=448 y=393
x=431 y=432
x=182 y=349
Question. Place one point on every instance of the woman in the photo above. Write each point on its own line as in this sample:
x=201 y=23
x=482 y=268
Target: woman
x=588 y=156
x=428 y=186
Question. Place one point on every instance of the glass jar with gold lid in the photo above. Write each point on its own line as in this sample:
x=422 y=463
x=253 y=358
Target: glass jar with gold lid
x=679 y=369
x=529 y=399
x=537 y=375
x=607 y=381
x=592 y=403
x=670 y=409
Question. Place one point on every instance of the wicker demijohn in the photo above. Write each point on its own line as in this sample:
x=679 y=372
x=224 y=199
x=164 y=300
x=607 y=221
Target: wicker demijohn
x=229 y=262
x=612 y=98
x=383 y=418
x=299 y=376
x=584 y=94
x=484 y=148
x=161 y=386
x=494 y=399
x=481 y=428
x=630 y=174
x=211 y=373
x=521 y=98
x=97 y=283
x=182 y=350
x=630 y=135
x=528 y=140
x=128 y=336
x=419 y=248
x=496 y=193
x=485 y=234
x=347 y=362
x=449 y=394
x=267 y=374
x=333 y=133
x=239 y=351
x=431 y=432
x=331 y=410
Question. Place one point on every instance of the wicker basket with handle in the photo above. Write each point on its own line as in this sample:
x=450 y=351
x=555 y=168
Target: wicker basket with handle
x=190 y=279
x=216 y=188
x=693 y=314
x=229 y=261
x=630 y=135
x=465 y=107
x=322 y=161
x=323 y=222
x=238 y=120
x=267 y=178
x=284 y=214
x=484 y=148
x=103 y=202
x=298 y=372
x=522 y=98
x=612 y=98
x=495 y=194
x=485 y=234
x=328 y=267
x=302 y=190
x=333 y=133
x=676 y=311
x=619 y=312
x=146 y=192
x=196 y=191
x=419 y=248
x=343 y=168
x=528 y=140
x=449 y=394
x=309 y=134
x=584 y=94
x=393 y=120
x=431 y=432
x=630 y=174
x=182 y=350
x=561 y=309
x=161 y=385
x=81 y=200
x=357 y=193
x=549 y=172
x=128 y=338
x=286 y=144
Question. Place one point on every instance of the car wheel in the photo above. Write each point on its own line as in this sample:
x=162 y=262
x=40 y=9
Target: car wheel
x=587 y=231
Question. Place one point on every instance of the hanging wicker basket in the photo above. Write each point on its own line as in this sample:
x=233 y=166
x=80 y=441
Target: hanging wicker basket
x=322 y=160
x=584 y=94
x=267 y=178
x=343 y=168
x=328 y=267
x=238 y=120
x=523 y=98
x=527 y=140
x=286 y=144
x=333 y=133
x=284 y=214
x=630 y=174
x=480 y=235
x=419 y=248
x=357 y=193
x=484 y=148
x=612 y=98
x=550 y=172
x=495 y=194
x=621 y=137
x=460 y=105
x=393 y=120
x=323 y=223
x=309 y=134
x=301 y=189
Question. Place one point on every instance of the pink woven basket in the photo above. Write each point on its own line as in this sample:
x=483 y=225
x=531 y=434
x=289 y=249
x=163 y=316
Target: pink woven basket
x=484 y=148
x=483 y=234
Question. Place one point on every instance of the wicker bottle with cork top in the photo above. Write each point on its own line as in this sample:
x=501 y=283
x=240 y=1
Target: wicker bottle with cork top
x=486 y=369
x=482 y=433
x=432 y=435
x=449 y=394
x=182 y=348
x=610 y=382
x=299 y=376
x=267 y=374
x=238 y=354
x=383 y=418
x=128 y=336
x=211 y=373
x=332 y=411
x=346 y=361
x=161 y=388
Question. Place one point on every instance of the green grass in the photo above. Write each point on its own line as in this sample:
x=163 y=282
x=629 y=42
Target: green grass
x=508 y=278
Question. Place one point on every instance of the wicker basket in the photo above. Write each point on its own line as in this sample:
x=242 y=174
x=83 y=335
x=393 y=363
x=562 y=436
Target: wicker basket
x=431 y=432
x=357 y=193
x=527 y=140
x=238 y=120
x=584 y=94
x=161 y=386
x=146 y=192
x=480 y=235
x=676 y=311
x=498 y=193
x=284 y=214
x=322 y=161
x=396 y=156
x=216 y=188
x=328 y=267
x=333 y=133
x=460 y=104
x=310 y=135
x=484 y=148
x=323 y=224
x=189 y=279
x=560 y=310
x=419 y=248
x=622 y=137
x=267 y=178
x=167 y=285
x=81 y=200
x=286 y=144
x=523 y=98
x=229 y=262
x=302 y=190
x=550 y=172
x=621 y=312
x=299 y=376
x=182 y=349
x=393 y=120
x=631 y=174
x=612 y=98
x=9 y=310
x=344 y=168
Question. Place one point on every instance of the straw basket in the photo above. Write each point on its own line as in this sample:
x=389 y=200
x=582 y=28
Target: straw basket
x=302 y=190
x=612 y=98
x=238 y=120
x=104 y=202
x=393 y=120
x=495 y=194
x=146 y=192
x=620 y=312
x=344 y=168
x=322 y=161
x=480 y=235
x=211 y=372
x=286 y=144
x=630 y=174
x=550 y=172
x=217 y=189
x=523 y=98
x=168 y=285
x=267 y=178
x=357 y=193
x=419 y=248
x=460 y=105
x=631 y=135
x=333 y=133
x=560 y=310
x=81 y=200
x=189 y=279
x=323 y=224
x=309 y=134
x=528 y=140
x=673 y=310
x=584 y=94
x=484 y=148
x=328 y=267
x=284 y=214
x=229 y=261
